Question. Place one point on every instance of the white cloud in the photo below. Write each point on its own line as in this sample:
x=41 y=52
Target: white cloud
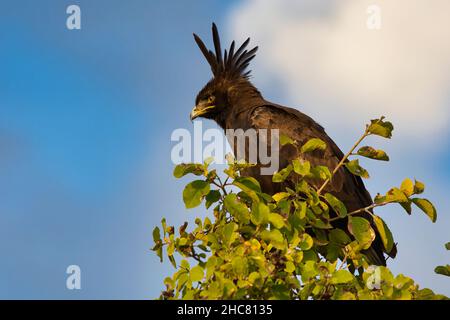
x=329 y=63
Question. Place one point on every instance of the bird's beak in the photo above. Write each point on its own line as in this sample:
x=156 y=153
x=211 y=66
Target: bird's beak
x=200 y=110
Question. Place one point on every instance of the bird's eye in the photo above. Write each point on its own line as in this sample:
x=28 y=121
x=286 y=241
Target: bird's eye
x=210 y=99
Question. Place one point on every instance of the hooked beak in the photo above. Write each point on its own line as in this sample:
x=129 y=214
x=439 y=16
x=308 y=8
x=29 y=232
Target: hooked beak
x=200 y=110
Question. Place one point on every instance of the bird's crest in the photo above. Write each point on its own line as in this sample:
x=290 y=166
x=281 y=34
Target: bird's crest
x=233 y=63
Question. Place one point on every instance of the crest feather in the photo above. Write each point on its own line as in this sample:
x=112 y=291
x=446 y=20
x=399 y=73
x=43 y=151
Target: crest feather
x=233 y=64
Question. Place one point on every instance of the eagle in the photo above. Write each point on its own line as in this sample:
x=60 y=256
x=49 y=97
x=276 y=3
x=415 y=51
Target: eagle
x=233 y=102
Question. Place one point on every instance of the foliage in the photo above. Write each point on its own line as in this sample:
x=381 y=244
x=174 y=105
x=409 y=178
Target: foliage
x=444 y=270
x=283 y=246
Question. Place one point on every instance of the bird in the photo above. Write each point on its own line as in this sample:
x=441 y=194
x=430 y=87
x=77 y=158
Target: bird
x=233 y=102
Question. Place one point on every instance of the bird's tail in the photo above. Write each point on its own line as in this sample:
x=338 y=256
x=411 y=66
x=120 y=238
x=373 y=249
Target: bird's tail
x=375 y=256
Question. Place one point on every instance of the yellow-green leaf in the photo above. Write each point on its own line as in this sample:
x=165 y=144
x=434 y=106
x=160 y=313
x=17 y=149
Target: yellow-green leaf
x=341 y=277
x=301 y=167
x=385 y=233
x=313 y=144
x=419 y=187
x=183 y=169
x=354 y=167
x=260 y=213
x=281 y=175
x=362 y=231
x=396 y=195
x=381 y=128
x=407 y=187
x=373 y=153
x=444 y=270
x=284 y=139
x=280 y=196
x=194 y=192
x=274 y=237
x=196 y=273
x=306 y=242
x=290 y=267
x=427 y=207
x=337 y=205
x=276 y=220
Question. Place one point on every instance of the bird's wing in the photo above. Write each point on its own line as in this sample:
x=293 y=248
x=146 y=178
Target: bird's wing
x=302 y=128
x=344 y=185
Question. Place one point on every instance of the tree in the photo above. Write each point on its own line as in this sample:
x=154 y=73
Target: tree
x=283 y=246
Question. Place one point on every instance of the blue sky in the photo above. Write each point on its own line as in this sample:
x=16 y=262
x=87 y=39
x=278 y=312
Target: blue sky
x=85 y=124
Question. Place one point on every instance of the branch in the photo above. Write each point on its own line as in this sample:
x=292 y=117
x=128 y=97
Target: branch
x=365 y=209
x=341 y=163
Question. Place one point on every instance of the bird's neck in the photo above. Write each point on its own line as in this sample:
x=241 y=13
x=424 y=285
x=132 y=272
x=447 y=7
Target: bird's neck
x=241 y=98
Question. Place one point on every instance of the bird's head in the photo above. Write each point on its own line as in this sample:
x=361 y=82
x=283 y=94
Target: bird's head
x=211 y=101
x=230 y=78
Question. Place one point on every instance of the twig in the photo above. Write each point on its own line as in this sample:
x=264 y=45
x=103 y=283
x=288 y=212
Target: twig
x=341 y=163
x=366 y=209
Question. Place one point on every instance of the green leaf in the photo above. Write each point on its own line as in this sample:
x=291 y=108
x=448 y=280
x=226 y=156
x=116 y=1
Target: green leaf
x=385 y=233
x=281 y=175
x=183 y=169
x=425 y=294
x=341 y=277
x=407 y=187
x=247 y=184
x=236 y=208
x=381 y=128
x=280 y=292
x=158 y=249
x=373 y=153
x=333 y=251
x=444 y=270
x=447 y=246
x=194 y=192
x=276 y=220
x=339 y=236
x=337 y=205
x=284 y=139
x=212 y=197
x=156 y=235
x=196 y=274
x=228 y=232
x=407 y=206
x=354 y=167
x=313 y=144
x=301 y=167
x=321 y=172
x=172 y=261
x=362 y=231
x=320 y=224
x=427 y=207
x=260 y=213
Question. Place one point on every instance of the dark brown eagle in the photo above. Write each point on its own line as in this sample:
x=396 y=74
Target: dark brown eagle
x=233 y=102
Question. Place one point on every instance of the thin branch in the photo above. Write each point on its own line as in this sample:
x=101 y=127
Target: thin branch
x=341 y=163
x=365 y=209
